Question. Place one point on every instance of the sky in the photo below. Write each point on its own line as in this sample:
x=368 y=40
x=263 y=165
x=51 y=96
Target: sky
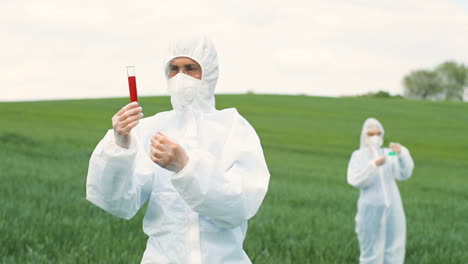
x=55 y=49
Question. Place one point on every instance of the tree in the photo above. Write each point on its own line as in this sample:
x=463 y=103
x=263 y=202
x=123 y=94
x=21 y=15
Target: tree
x=422 y=84
x=454 y=78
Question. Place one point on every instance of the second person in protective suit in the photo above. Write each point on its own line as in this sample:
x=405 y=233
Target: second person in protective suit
x=380 y=220
x=202 y=170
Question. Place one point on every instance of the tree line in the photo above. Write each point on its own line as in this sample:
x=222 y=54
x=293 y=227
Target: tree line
x=446 y=82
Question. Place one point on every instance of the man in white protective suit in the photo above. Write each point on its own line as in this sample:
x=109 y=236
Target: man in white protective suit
x=380 y=220
x=202 y=170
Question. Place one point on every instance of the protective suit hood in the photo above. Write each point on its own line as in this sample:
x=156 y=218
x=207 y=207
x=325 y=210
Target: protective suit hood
x=370 y=124
x=201 y=50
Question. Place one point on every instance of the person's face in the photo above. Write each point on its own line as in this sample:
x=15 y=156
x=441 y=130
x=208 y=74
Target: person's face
x=185 y=65
x=374 y=132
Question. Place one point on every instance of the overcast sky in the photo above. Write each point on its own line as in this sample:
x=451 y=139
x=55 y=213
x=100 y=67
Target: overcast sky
x=79 y=49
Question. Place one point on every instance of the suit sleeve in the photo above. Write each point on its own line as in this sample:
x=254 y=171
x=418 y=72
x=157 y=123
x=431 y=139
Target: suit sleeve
x=406 y=164
x=118 y=179
x=228 y=189
x=361 y=171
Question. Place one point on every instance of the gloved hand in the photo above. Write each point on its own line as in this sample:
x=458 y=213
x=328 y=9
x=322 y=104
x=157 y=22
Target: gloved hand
x=395 y=147
x=380 y=161
x=167 y=153
x=124 y=121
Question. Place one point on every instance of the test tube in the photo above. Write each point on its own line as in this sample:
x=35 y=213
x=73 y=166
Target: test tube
x=132 y=83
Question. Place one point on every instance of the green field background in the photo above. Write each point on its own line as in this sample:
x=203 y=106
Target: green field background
x=308 y=213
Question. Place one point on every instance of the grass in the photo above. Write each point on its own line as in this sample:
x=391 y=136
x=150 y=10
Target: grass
x=308 y=214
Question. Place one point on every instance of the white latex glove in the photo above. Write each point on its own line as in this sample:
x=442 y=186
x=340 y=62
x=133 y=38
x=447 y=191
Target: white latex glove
x=380 y=161
x=167 y=154
x=124 y=121
x=395 y=147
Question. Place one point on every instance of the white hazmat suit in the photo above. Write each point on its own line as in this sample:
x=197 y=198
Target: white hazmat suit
x=380 y=219
x=198 y=215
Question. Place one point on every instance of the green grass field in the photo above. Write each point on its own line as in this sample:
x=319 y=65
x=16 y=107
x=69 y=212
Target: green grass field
x=308 y=213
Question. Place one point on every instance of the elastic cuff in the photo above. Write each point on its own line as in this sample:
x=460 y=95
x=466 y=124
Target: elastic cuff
x=187 y=169
x=112 y=149
x=403 y=153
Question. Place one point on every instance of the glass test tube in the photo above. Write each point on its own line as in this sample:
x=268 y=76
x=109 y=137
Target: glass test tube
x=132 y=83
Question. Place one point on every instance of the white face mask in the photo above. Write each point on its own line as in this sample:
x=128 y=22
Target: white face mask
x=183 y=90
x=375 y=141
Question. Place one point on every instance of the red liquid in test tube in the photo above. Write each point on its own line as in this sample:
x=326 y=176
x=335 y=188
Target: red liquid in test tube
x=132 y=84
